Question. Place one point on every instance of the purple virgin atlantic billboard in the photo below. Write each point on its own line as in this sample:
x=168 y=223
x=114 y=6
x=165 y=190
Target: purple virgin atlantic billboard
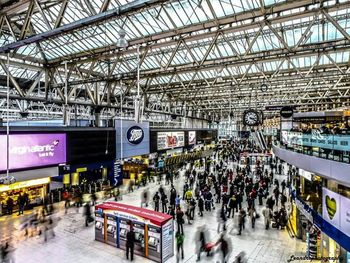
x=33 y=150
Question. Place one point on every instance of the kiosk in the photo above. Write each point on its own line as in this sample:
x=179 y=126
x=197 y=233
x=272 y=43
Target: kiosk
x=154 y=231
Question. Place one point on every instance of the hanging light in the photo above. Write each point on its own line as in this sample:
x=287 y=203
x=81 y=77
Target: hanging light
x=122 y=42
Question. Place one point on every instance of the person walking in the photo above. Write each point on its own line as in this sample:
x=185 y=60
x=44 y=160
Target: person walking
x=224 y=247
x=241 y=220
x=200 y=205
x=179 y=245
x=222 y=219
x=87 y=213
x=130 y=243
x=252 y=215
x=267 y=213
x=232 y=205
x=172 y=196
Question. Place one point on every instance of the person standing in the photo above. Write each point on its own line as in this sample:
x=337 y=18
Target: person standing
x=172 y=196
x=130 y=243
x=180 y=220
x=232 y=205
x=156 y=199
x=21 y=204
x=9 y=204
x=164 y=200
x=179 y=245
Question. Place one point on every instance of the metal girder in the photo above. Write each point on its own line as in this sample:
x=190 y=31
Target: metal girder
x=122 y=10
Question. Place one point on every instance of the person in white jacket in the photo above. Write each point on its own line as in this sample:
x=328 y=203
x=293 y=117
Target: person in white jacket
x=267 y=213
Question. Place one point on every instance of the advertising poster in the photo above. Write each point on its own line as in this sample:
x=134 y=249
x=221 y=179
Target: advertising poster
x=331 y=209
x=191 y=137
x=345 y=215
x=33 y=150
x=167 y=240
x=167 y=140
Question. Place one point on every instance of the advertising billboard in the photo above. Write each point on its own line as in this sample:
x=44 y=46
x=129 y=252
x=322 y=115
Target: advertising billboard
x=167 y=140
x=33 y=150
x=191 y=137
x=336 y=210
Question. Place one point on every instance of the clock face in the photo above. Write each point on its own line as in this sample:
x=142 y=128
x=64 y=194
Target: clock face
x=251 y=118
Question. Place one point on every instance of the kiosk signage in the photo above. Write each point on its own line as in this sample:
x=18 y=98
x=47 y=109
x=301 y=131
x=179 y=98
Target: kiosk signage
x=153 y=230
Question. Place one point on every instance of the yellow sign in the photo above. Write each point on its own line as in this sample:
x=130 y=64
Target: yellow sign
x=346 y=113
x=24 y=184
x=80 y=170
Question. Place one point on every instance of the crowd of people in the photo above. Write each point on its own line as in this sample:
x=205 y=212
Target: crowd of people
x=213 y=186
x=224 y=185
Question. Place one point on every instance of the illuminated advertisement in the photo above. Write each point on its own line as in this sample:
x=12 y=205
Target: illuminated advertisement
x=167 y=140
x=336 y=210
x=191 y=137
x=33 y=150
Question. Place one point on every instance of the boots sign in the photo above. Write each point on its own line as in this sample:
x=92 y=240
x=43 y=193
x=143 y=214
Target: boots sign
x=135 y=135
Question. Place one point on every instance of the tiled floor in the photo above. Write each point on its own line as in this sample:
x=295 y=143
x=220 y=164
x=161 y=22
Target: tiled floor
x=75 y=243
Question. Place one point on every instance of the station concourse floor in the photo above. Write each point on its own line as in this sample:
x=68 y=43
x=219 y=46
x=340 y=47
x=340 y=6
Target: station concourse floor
x=74 y=243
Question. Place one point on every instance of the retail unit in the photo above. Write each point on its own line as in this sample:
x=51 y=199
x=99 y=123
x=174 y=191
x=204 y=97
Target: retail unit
x=154 y=231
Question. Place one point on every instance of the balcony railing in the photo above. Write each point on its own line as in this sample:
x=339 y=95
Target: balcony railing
x=328 y=146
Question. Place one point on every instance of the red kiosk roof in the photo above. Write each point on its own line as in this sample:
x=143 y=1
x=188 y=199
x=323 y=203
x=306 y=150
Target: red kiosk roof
x=153 y=216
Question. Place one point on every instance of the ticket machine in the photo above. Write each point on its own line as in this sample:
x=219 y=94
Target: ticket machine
x=124 y=228
x=139 y=229
x=154 y=234
x=99 y=226
x=111 y=229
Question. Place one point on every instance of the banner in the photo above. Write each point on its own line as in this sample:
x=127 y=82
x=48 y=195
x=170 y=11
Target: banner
x=167 y=140
x=191 y=137
x=33 y=150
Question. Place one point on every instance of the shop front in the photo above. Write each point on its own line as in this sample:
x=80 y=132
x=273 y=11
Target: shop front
x=27 y=153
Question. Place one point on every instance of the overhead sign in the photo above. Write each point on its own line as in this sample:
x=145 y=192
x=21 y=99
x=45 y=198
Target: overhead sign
x=33 y=150
x=286 y=112
x=132 y=139
x=135 y=135
x=167 y=140
x=191 y=137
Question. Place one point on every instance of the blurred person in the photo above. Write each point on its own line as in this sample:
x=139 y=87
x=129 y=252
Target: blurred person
x=66 y=198
x=9 y=203
x=240 y=258
x=201 y=242
x=179 y=245
x=224 y=247
x=49 y=228
x=222 y=219
x=87 y=214
x=130 y=243
x=6 y=252
x=93 y=199
x=144 y=198
x=267 y=213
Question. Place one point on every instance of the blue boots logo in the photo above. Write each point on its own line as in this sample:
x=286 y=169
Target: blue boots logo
x=135 y=135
